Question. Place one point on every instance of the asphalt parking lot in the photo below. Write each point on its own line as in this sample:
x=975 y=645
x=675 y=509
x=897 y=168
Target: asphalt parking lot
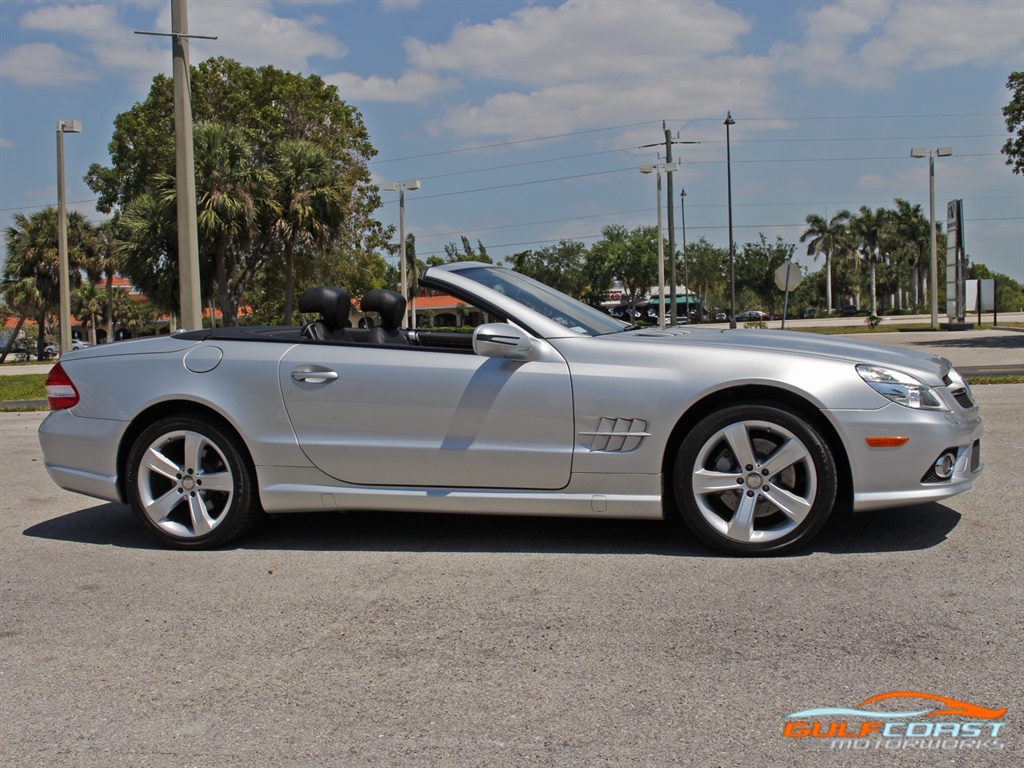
x=435 y=640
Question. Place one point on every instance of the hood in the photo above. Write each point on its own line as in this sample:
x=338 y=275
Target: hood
x=928 y=367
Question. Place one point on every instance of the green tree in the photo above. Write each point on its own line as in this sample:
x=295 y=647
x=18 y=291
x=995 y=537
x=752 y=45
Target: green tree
x=828 y=237
x=911 y=231
x=133 y=316
x=708 y=266
x=105 y=265
x=89 y=303
x=308 y=205
x=562 y=266
x=453 y=253
x=632 y=256
x=231 y=193
x=148 y=251
x=1014 y=114
x=32 y=267
x=868 y=231
x=756 y=265
x=268 y=106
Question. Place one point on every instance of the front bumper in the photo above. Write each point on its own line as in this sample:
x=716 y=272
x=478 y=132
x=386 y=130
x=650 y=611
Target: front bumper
x=894 y=477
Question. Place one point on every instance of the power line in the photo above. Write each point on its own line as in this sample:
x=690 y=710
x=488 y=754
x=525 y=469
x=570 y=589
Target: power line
x=687 y=121
x=513 y=143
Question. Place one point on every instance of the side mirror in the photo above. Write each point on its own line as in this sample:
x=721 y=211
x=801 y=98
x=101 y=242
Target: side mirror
x=501 y=340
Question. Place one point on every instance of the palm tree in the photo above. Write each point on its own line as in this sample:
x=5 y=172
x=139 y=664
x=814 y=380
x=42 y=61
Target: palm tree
x=89 y=302
x=867 y=229
x=308 y=205
x=147 y=248
x=23 y=299
x=829 y=237
x=106 y=265
x=230 y=190
x=33 y=256
x=914 y=230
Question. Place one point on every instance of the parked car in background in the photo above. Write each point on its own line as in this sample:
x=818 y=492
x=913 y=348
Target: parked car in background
x=50 y=350
x=623 y=313
x=753 y=315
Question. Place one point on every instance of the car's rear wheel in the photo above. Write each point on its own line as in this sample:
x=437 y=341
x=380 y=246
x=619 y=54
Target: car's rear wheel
x=190 y=483
x=754 y=479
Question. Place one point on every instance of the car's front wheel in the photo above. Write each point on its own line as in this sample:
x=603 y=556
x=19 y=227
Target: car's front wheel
x=190 y=483
x=754 y=479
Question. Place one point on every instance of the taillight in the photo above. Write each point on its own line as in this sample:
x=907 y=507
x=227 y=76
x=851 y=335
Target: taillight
x=60 y=392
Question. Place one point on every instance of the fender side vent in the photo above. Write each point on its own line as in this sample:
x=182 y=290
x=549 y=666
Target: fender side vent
x=618 y=435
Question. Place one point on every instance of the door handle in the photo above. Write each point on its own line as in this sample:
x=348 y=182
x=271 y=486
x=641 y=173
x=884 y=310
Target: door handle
x=315 y=377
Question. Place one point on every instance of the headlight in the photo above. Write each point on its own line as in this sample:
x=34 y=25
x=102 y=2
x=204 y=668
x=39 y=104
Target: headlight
x=901 y=388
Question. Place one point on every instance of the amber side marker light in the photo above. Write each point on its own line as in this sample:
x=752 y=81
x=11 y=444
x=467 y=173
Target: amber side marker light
x=886 y=442
x=60 y=392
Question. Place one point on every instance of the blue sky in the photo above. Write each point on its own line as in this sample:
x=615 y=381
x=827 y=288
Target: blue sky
x=524 y=121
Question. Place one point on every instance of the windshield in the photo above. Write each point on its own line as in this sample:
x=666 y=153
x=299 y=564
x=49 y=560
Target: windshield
x=565 y=310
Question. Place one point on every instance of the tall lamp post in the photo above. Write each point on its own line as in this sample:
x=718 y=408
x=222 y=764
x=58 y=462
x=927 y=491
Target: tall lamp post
x=930 y=154
x=64 y=126
x=400 y=187
x=656 y=170
x=686 y=259
x=732 y=256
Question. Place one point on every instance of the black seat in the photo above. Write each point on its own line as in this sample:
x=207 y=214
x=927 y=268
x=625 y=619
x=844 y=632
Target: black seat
x=390 y=309
x=333 y=305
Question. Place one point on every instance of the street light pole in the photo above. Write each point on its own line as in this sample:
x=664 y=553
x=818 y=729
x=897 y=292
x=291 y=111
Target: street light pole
x=732 y=256
x=64 y=126
x=930 y=154
x=686 y=258
x=656 y=170
x=400 y=187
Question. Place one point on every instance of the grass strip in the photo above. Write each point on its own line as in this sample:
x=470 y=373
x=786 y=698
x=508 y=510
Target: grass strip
x=23 y=386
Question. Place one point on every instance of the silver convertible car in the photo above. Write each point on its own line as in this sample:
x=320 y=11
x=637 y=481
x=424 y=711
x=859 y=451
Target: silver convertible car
x=549 y=407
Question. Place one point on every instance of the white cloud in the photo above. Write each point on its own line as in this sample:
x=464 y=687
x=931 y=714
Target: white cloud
x=933 y=35
x=584 y=40
x=412 y=87
x=590 y=61
x=865 y=44
x=44 y=65
x=110 y=43
x=251 y=33
x=6 y=143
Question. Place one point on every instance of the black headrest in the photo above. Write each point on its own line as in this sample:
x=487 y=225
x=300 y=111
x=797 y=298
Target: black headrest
x=332 y=304
x=389 y=305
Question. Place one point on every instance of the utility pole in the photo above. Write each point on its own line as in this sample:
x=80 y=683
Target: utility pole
x=671 y=230
x=671 y=222
x=185 y=171
x=190 y=298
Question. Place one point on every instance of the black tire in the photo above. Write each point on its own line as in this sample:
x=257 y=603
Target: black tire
x=190 y=483
x=754 y=479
